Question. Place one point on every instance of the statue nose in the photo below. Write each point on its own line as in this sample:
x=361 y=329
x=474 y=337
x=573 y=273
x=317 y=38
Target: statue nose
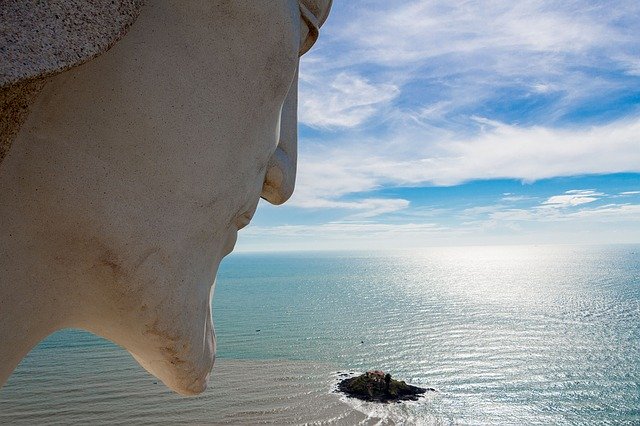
x=280 y=177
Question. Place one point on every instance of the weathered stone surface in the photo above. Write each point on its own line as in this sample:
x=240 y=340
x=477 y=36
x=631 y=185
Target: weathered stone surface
x=39 y=38
x=130 y=175
x=14 y=109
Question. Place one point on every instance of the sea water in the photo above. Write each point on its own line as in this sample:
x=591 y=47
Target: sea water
x=507 y=335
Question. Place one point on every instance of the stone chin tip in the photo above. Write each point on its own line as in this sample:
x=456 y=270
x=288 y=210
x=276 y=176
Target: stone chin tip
x=193 y=388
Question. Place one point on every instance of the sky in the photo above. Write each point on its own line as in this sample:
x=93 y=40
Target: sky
x=431 y=123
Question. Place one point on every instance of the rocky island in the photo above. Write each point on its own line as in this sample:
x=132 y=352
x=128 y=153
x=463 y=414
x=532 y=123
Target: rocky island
x=376 y=386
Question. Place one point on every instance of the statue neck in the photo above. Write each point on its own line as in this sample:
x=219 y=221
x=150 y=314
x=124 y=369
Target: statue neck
x=28 y=310
x=35 y=296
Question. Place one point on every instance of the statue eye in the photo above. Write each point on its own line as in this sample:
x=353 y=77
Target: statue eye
x=311 y=21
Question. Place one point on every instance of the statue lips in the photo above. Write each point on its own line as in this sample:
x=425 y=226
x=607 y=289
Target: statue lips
x=240 y=221
x=244 y=218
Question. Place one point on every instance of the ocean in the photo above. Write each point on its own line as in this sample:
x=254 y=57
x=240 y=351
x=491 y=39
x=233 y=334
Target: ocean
x=519 y=335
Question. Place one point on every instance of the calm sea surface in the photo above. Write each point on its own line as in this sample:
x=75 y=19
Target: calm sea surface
x=507 y=335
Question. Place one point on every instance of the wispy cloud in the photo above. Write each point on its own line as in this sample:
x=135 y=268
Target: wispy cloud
x=500 y=151
x=512 y=198
x=368 y=207
x=609 y=212
x=346 y=101
x=463 y=55
x=440 y=93
x=424 y=93
x=346 y=230
x=493 y=223
x=573 y=197
x=574 y=204
x=418 y=30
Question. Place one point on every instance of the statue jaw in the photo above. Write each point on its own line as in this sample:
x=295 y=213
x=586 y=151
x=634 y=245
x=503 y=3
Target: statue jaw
x=165 y=322
x=154 y=302
x=184 y=361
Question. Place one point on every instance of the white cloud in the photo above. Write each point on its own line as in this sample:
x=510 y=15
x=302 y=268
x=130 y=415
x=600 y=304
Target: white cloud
x=347 y=235
x=631 y=63
x=369 y=207
x=573 y=198
x=500 y=225
x=572 y=205
x=418 y=30
x=532 y=153
x=544 y=88
x=606 y=213
x=345 y=230
x=511 y=198
x=501 y=151
x=469 y=50
x=347 y=101
x=474 y=212
x=405 y=94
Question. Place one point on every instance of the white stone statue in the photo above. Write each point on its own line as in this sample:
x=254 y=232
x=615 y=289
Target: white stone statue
x=137 y=140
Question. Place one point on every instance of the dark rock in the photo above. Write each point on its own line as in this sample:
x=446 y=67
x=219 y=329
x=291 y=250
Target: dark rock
x=376 y=386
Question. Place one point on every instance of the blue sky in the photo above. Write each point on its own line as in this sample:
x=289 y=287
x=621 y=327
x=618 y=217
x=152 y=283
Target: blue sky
x=427 y=123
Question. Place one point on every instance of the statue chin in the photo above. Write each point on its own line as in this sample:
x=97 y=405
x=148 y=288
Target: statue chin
x=170 y=333
x=183 y=361
x=130 y=169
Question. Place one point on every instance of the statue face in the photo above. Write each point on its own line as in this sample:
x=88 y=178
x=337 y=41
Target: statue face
x=152 y=157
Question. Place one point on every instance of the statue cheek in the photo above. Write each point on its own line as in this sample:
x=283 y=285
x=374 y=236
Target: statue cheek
x=285 y=35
